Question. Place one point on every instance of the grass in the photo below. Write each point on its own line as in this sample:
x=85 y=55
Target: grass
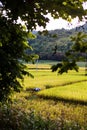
x=76 y=93
x=44 y=78
x=67 y=87
x=29 y=111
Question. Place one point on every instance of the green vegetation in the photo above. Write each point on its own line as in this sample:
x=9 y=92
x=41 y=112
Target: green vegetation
x=76 y=53
x=14 y=35
x=74 y=93
x=44 y=77
x=60 y=105
x=11 y=69
x=26 y=110
x=44 y=45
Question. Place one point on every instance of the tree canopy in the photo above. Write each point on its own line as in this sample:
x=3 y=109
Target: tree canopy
x=72 y=55
x=13 y=36
x=34 y=11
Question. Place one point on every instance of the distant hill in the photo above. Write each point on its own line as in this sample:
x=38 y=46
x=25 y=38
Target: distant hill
x=54 y=45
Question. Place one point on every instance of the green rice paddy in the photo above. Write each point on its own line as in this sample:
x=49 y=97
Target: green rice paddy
x=62 y=100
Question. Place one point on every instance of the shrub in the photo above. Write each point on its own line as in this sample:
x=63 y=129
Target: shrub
x=14 y=118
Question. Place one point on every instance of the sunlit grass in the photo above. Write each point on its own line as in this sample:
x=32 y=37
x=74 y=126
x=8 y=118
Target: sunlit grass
x=63 y=115
x=44 y=78
x=70 y=86
x=75 y=92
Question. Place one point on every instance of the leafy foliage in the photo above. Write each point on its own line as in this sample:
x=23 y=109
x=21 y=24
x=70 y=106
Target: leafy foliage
x=80 y=42
x=33 y=12
x=59 y=116
x=69 y=63
x=56 y=43
x=13 y=45
x=64 y=67
x=53 y=45
x=13 y=37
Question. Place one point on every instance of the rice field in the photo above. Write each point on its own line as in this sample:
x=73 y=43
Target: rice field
x=60 y=105
x=44 y=78
x=76 y=93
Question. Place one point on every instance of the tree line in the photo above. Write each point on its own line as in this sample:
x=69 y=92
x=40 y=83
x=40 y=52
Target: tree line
x=55 y=44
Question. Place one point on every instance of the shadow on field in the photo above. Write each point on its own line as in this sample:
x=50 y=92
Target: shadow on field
x=64 y=84
x=78 y=74
x=35 y=96
x=65 y=100
x=69 y=101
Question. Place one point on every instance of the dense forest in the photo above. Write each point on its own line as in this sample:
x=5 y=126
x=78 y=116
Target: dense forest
x=54 y=45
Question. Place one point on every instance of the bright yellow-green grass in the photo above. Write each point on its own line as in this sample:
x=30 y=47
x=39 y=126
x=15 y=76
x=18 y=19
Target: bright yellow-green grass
x=44 y=78
x=74 y=92
x=72 y=85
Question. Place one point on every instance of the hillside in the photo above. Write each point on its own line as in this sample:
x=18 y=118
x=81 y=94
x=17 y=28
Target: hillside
x=54 y=45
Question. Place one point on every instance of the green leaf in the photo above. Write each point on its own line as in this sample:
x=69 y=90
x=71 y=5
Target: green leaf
x=0 y=44
x=64 y=3
x=31 y=35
